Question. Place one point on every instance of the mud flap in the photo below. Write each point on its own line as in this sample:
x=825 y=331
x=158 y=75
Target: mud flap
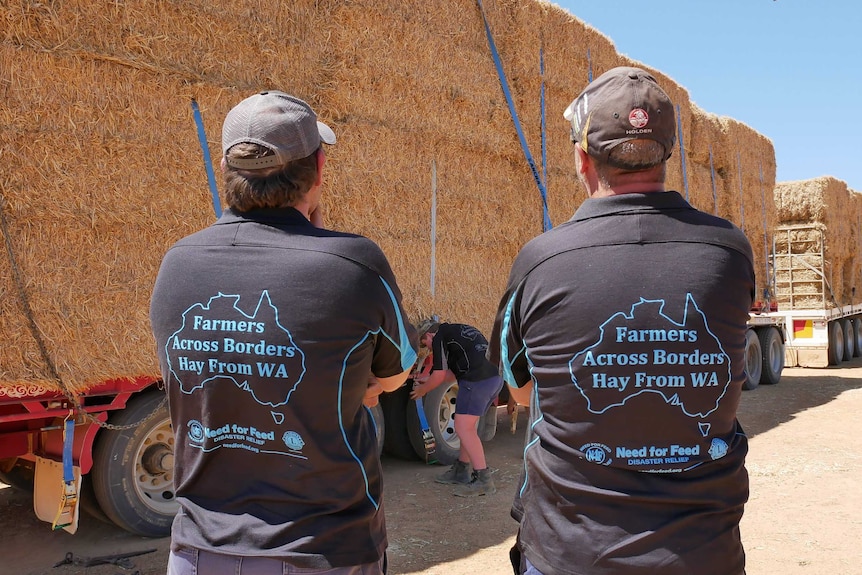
x=54 y=500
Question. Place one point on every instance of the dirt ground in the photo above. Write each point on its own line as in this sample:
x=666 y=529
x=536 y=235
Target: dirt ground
x=804 y=515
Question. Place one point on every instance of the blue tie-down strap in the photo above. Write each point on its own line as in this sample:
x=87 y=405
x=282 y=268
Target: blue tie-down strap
x=428 y=438
x=504 y=84
x=68 y=442
x=208 y=165
x=69 y=500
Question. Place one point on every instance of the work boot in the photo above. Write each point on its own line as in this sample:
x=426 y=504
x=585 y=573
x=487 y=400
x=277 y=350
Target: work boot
x=481 y=484
x=459 y=473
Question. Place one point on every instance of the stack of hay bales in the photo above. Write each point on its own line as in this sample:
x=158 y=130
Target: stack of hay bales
x=829 y=216
x=732 y=168
x=104 y=168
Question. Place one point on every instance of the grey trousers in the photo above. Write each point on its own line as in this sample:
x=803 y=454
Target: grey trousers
x=199 y=562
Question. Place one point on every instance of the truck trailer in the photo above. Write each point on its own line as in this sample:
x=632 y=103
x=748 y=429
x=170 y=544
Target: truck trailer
x=801 y=322
x=821 y=331
x=109 y=451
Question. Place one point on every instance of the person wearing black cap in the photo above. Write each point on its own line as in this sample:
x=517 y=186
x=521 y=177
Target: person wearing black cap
x=458 y=352
x=274 y=338
x=624 y=329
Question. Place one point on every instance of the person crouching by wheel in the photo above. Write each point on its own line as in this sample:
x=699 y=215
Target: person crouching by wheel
x=459 y=352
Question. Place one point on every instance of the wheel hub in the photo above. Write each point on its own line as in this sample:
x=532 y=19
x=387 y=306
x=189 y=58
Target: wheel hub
x=154 y=479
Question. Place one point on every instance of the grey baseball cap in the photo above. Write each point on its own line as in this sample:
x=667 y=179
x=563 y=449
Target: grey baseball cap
x=622 y=104
x=278 y=121
x=427 y=325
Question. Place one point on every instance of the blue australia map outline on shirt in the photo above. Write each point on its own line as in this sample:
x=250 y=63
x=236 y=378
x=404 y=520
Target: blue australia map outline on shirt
x=197 y=354
x=645 y=351
x=233 y=331
x=208 y=330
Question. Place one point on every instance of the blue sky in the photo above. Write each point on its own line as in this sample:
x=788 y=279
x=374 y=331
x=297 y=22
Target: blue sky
x=790 y=69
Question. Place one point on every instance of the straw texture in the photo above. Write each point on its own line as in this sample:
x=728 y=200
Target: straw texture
x=103 y=169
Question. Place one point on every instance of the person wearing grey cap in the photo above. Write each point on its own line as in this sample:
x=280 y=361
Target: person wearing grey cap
x=275 y=336
x=624 y=330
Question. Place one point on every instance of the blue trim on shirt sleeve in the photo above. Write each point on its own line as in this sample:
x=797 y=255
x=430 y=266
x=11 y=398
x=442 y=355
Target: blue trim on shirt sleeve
x=508 y=375
x=408 y=358
x=341 y=422
x=539 y=416
x=408 y=354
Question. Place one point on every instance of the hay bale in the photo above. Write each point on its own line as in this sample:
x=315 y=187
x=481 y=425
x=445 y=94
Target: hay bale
x=96 y=117
x=105 y=183
x=832 y=207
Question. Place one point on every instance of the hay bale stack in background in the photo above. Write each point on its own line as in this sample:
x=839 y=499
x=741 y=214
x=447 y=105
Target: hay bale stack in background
x=702 y=141
x=733 y=170
x=853 y=271
x=833 y=208
x=98 y=192
x=107 y=170
x=748 y=163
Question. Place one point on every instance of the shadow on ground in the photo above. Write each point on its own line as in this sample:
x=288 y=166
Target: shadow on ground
x=427 y=525
x=769 y=406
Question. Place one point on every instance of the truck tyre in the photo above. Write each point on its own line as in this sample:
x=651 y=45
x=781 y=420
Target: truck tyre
x=488 y=424
x=835 y=345
x=439 y=406
x=88 y=502
x=379 y=426
x=857 y=335
x=133 y=468
x=772 y=349
x=849 y=339
x=396 y=442
x=753 y=361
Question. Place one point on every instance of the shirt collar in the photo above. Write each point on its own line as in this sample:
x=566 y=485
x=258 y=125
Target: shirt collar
x=283 y=216
x=630 y=203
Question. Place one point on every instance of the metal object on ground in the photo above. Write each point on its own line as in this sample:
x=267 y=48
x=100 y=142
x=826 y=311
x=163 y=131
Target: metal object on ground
x=119 y=559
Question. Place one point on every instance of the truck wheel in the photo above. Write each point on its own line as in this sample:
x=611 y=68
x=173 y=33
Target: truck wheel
x=488 y=424
x=772 y=349
x=396 y=442
x=439 y=406
x=857 y=335
x=753 y=361
x=835 y=350
x=379 y=426
x=849 y=339
x=88 y=501
x=133 y=469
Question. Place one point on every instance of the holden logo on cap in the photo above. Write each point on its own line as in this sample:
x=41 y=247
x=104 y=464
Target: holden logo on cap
x=638 y=118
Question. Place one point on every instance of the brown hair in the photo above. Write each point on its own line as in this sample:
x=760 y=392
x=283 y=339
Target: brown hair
x=278 y=187
x=641 y=157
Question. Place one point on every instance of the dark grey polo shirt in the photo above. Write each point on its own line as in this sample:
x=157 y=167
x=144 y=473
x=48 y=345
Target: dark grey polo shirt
x=631 y=320
x=267 y=331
